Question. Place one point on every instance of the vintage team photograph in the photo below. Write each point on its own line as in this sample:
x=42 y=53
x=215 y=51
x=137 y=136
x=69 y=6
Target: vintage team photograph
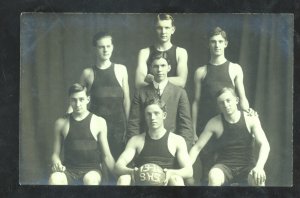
x=157 y=99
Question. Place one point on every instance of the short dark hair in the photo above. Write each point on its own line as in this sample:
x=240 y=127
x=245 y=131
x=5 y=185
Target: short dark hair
x=159 y=102
x=77 y=88
x=157 y=56
x=225 y=89
x=99 y=36
x=217 y=31
x=164 y=16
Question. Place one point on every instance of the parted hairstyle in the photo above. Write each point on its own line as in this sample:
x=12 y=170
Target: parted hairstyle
x=75 y=88
x=163 y=16
x=157 y=56
x=99 y=36
x=159 y=102
x=217 y=31
x=225 y=89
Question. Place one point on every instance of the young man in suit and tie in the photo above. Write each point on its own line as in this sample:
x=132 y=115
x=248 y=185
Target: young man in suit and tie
x=179 y=116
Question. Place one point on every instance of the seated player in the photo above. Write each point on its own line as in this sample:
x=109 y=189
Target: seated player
x=235 y=132
x=84 y=138
x=158 y=146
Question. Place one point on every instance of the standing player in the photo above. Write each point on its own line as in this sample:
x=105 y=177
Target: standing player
x=107 y=83
x=84 y=139
x=158 y=146
x=235 y=132
x=210 y=78
x=164 y=25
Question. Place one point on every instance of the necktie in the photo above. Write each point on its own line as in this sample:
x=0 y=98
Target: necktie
x=158 y=91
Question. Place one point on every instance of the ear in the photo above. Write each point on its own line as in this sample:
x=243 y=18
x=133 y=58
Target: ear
x=165 y=115
x=226 y=43
x=237 y=100
x=88 y=99
x=169 y=68
x=173 y=29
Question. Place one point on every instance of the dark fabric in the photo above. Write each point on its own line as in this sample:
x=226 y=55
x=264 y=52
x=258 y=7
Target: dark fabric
x=107 y=101
x=81 y=150
x=235 y=147
x=170 y=54
x=75 y=175
x=157 y=152
x=235 y=174
x=217 y=77
x=178 y=111
x=56 y=48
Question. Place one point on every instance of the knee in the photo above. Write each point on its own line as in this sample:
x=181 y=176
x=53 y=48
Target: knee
x=176 y=180
x=92 y=178
x=58 y=178
x=216 y=177
x=124 y=180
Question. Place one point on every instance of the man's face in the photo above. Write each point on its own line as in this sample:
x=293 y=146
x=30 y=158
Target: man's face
x=154 y=116
x=217 y=45
x=227 y=103
x=79 y=102
x=164 y=30
x=104 y=48
x=160 y=69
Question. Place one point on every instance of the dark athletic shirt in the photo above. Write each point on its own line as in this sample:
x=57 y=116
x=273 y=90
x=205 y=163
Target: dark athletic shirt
x=107 y=99
x=170 y=54
x=235 y=147
x=157 y=152
x=81 y=150
x=217 y=77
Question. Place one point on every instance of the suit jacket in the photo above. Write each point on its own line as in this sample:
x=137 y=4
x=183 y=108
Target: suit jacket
x=178 y=111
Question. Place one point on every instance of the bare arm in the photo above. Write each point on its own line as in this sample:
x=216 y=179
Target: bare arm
x=186 y=169
x=55 y=158
x=198 y=84
x=102 y=139
x=258 y=173
x=142 y=69
x=182 y=68
x=238 y=81
x=262 y=141
x=125 y=87
x=125 y=158
x=202 y=141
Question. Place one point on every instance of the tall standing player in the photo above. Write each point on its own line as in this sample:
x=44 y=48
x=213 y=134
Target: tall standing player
x=210 y=78
x=165 y=28
x=84 y=139
x=107 y=83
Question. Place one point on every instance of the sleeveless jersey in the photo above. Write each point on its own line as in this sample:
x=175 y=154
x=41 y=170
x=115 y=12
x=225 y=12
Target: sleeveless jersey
x=170 y=54
x=81 y=150
x=217 y=77
x=235 y=147
x=107 y=101
x=157 y=152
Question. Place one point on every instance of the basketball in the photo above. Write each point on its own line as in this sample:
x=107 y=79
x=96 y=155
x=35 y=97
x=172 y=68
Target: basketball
x=150 y=175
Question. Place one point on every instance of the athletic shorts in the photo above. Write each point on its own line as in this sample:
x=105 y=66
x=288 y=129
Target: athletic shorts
x=75 y=175
x=235 y=174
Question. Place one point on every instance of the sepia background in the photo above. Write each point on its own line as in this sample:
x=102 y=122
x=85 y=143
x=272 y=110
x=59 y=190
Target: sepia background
x=55 y=48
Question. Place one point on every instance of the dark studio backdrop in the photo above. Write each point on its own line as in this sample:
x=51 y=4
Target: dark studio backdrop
x=55 y=48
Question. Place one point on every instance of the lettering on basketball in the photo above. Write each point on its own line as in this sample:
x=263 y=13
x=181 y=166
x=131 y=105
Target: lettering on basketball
x=150 y=177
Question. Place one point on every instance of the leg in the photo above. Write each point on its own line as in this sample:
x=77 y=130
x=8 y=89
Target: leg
x=216 y=177
x=252 y=182
x=124 y=180
x=92 y=178
x=58 y=178
x=175 y=180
